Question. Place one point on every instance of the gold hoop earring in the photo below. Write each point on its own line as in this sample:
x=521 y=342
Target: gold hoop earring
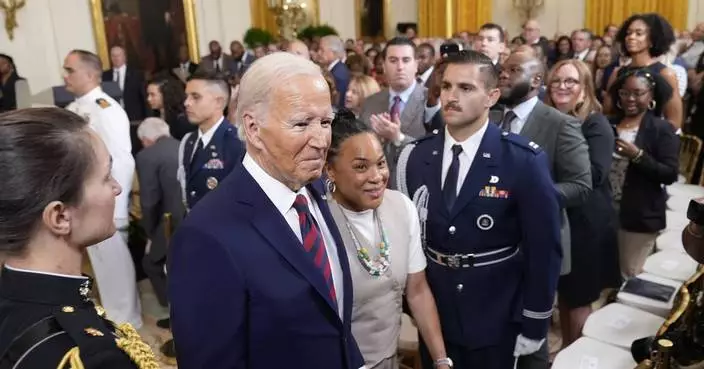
x=652 y=105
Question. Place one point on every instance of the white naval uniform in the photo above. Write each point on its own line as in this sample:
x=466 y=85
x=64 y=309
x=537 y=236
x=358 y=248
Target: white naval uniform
x=111 y=259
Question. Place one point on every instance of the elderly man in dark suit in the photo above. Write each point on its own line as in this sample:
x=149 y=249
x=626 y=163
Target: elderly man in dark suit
x=159 y=194
x=259 y=276
x=332 y=54
x=403 y=112
x=131 y=81
x=559 y=136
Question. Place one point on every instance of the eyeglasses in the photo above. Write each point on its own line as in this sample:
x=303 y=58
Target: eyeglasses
x=568 y=82
x=627 y=94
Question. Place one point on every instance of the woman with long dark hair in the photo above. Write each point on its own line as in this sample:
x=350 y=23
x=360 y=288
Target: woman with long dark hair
x=165 y=96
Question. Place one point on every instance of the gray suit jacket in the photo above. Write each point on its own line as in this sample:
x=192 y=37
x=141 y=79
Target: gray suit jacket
x=560 y=136
x=412 y=122
x=159 y=192
x=228 y=66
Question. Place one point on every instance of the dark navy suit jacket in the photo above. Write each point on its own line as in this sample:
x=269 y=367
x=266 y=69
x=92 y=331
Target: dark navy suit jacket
x=245 y=295
x=342 y=77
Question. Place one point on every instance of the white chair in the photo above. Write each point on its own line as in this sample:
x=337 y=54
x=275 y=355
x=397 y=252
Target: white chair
x=619 y=325
x=678 y=204
x=660 y=308
x=588 y=353
x=676 y=221
x=670 y=264
x=670 y=241
x=688 y=191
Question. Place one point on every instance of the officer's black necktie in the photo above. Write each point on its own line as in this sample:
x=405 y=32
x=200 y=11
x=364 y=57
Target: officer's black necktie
x=198 y=151
x=508 y=118
x=449 y=189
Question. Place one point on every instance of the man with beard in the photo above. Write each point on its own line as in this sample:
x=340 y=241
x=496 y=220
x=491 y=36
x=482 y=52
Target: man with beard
x=558 y=135
x=491 y=234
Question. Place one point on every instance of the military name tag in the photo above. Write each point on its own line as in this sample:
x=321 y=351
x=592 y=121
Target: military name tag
x=214 y=164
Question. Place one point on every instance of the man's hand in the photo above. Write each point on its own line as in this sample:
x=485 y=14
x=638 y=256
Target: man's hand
x=389 y=130
x=526 y=346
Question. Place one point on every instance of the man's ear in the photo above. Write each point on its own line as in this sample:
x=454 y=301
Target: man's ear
x=251 y=129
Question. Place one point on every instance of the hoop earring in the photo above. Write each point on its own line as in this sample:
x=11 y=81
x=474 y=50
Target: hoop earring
x=618 y=105
x=652 y=105
x=330 y=185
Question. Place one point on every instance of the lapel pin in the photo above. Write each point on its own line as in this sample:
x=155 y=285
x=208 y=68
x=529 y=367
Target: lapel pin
x=212 y=147
x=215 y=155
x=494 y=179
x=435 y=152
x=486 y=155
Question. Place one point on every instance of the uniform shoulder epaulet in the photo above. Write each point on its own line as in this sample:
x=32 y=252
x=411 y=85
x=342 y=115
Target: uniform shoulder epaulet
x=102 y=103
x=430 y=135
x=521 y=141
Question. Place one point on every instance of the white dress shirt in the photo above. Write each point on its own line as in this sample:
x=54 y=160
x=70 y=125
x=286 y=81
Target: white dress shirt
x=333 y=64
x=522 y=112
x=424 y=77
x=283 y=198
x=582 y=55
x=121 y=73
x=208 y=135
x=46 y=273
x=470 y=146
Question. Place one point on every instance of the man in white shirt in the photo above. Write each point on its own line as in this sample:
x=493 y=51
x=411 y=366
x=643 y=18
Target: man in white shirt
x=491 y=42
x=110 y=259
x=425 y=55
x=581 y=43
x=259 y=263
x=131 y=82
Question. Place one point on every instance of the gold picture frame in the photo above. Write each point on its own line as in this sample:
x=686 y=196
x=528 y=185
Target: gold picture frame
x=101 y=41
x=388 y=30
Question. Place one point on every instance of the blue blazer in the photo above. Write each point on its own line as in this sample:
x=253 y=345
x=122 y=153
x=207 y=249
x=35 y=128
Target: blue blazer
x=216 y=161
x=244 y=294
x=507 y=200
x=341 y=75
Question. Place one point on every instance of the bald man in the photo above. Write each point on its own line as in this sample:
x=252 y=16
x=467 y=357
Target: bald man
x=298 y=47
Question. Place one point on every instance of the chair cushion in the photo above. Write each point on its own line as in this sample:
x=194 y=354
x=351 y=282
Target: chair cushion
x=670 y=264
x=588 y=353
x=619 y=325
x=670 y=241
x=650 y=305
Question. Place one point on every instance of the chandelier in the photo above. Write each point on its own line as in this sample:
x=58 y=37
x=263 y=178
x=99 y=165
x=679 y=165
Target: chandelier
x=289 y=15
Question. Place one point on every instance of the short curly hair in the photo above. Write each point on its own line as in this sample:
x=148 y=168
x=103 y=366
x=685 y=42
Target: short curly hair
x=659 y=31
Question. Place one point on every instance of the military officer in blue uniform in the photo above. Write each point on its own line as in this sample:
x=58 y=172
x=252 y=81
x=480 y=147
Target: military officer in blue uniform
x=208 y=155
x=490 y=223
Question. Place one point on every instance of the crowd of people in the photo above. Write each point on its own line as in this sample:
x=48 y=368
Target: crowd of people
x=319 y=189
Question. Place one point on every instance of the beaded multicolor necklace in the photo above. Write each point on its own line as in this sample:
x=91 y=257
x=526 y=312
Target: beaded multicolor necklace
x=380 y=264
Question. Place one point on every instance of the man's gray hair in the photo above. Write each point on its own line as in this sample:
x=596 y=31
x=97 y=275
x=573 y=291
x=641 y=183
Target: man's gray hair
x=153 y=128
x=263 y=76
x=335 y=44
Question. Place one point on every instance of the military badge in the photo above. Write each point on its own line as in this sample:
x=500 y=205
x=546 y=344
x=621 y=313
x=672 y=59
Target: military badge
x=485 y=222
x=211 y=183
x=493 y=192
x=214 y=164
x=102 y=103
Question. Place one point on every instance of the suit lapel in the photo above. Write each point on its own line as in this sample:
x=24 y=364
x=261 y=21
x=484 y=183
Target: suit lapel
x=275 y=230
x=188 y=152
x=487 y=157
x=433 y=171
x=532 y=127
x=413 y=107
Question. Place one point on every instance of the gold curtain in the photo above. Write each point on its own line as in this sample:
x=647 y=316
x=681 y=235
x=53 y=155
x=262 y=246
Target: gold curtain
x=600 y=13
x=262 y=17
x=442 y=18
x=471 y=14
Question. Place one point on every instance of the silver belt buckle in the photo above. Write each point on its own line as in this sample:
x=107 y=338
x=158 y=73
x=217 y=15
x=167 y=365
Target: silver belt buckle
x=454 y=261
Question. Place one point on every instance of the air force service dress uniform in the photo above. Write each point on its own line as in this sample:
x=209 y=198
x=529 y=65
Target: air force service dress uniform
x=48 y=321
x=493 y=256
x=111 y=259
x=205 y=159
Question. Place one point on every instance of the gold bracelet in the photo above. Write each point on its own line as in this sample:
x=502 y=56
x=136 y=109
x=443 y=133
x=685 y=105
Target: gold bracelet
x=638 y=156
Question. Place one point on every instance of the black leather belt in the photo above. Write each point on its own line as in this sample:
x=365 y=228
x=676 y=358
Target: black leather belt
x=456 y=261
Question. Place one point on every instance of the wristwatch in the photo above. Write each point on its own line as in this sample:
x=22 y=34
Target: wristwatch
x=444 y=361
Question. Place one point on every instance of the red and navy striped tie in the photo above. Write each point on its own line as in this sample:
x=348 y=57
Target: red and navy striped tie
x=313 y=243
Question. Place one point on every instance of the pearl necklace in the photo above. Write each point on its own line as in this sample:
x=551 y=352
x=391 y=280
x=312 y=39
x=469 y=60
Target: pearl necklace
x=380 y=264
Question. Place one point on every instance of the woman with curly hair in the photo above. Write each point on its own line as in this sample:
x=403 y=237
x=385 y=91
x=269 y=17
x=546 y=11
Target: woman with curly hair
x=644 y=38
x=645 y=160
x=165 y=95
